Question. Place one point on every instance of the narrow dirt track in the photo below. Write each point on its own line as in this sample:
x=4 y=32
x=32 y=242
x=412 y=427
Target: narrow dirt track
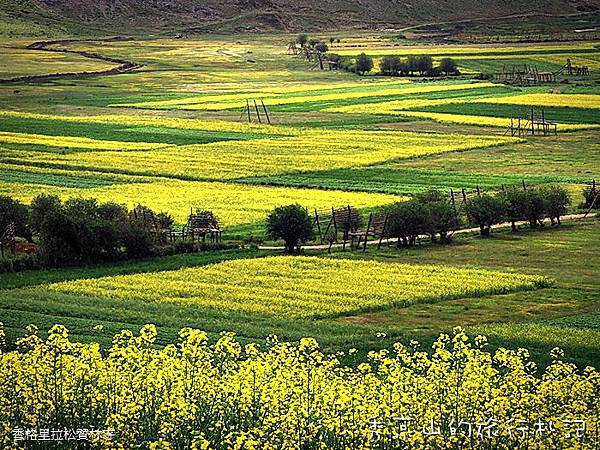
x=122 y=65
x=461 y=231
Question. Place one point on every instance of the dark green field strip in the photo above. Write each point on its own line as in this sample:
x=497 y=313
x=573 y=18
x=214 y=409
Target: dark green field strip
x=586 y=321
x=117 y=132
x=60 y=179
x=14 y=280
x=553 y=114
x=401 y=181
x=20 y=307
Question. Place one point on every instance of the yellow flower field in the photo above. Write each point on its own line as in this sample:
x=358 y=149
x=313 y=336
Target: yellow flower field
x=392 y=106
x=386 y=91
x=562 y=100
x=484 y=120
x=156 y=121
x=235 y=204
x=76 y=142
x=223 y=395
x=298 y=287
x=259 y=92
x=312 y=149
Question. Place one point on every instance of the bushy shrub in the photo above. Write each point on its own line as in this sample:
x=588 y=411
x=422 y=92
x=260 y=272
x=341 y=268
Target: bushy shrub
x=290 y=223
x=557 y=202
x=12 y=211
x=486 y=211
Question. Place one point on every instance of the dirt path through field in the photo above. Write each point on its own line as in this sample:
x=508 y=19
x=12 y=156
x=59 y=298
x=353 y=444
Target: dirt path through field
x=122 y=66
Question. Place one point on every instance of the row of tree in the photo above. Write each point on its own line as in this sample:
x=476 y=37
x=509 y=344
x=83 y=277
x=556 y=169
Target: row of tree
x=432 y=214
x=81 y=230
x=422 y=65
x=395 y=66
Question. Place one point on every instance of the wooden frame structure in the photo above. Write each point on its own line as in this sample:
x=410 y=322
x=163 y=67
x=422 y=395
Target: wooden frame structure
x=202 y=224
x=345 y=220
x=249 y=112
x=525 y=76
x=376 y=227
x=572 y=70
x=8 y=238
x=536 y=123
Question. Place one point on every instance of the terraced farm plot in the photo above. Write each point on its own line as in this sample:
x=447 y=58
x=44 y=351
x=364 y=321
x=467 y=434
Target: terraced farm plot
x=579 y=101
x=394 y=179
x=306 y=150
x=469 y=50
x=67 y=142
x=303 y=287
x=305 y=97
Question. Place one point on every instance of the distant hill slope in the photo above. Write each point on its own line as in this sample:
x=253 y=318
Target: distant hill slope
x=260 y=15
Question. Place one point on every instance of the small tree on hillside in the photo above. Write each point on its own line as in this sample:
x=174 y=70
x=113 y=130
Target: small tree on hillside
x=406 y=221
x=364 y=64
x=515 y=203
x=443 y=218
x=290 y=223
x=313 y=42
x=321 y=47
x=412 y=64
x=448 y=66
x=485 y=211
x=42 y=206
x=535 y=207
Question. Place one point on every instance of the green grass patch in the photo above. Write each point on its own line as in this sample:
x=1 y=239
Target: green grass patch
x=118 y=132
x=554 y=114
x=396 y=180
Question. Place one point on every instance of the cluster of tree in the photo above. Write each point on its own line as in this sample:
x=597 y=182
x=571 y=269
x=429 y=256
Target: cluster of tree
x=429 y=213
x=532 y=205
x=432 y=214
x=313 y=43
x=81 y=230
x=395 y=66
x=422 y=65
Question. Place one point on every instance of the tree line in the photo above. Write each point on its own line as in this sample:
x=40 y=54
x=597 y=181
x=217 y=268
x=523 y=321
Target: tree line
x=433 y=214
x=390 y=65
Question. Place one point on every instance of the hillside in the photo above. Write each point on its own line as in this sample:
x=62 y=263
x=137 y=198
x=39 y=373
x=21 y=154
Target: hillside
x=35 y=17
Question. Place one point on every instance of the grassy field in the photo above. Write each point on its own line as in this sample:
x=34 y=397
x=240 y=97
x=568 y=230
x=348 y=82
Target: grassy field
x=174 y=135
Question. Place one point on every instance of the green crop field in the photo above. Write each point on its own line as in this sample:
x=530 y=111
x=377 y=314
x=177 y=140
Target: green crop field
x=230 y=127
x=174 y=134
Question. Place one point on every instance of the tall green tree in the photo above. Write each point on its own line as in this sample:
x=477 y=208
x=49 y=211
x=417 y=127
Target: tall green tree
x=364 y=64
x=485 y=211
x=290 y=223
